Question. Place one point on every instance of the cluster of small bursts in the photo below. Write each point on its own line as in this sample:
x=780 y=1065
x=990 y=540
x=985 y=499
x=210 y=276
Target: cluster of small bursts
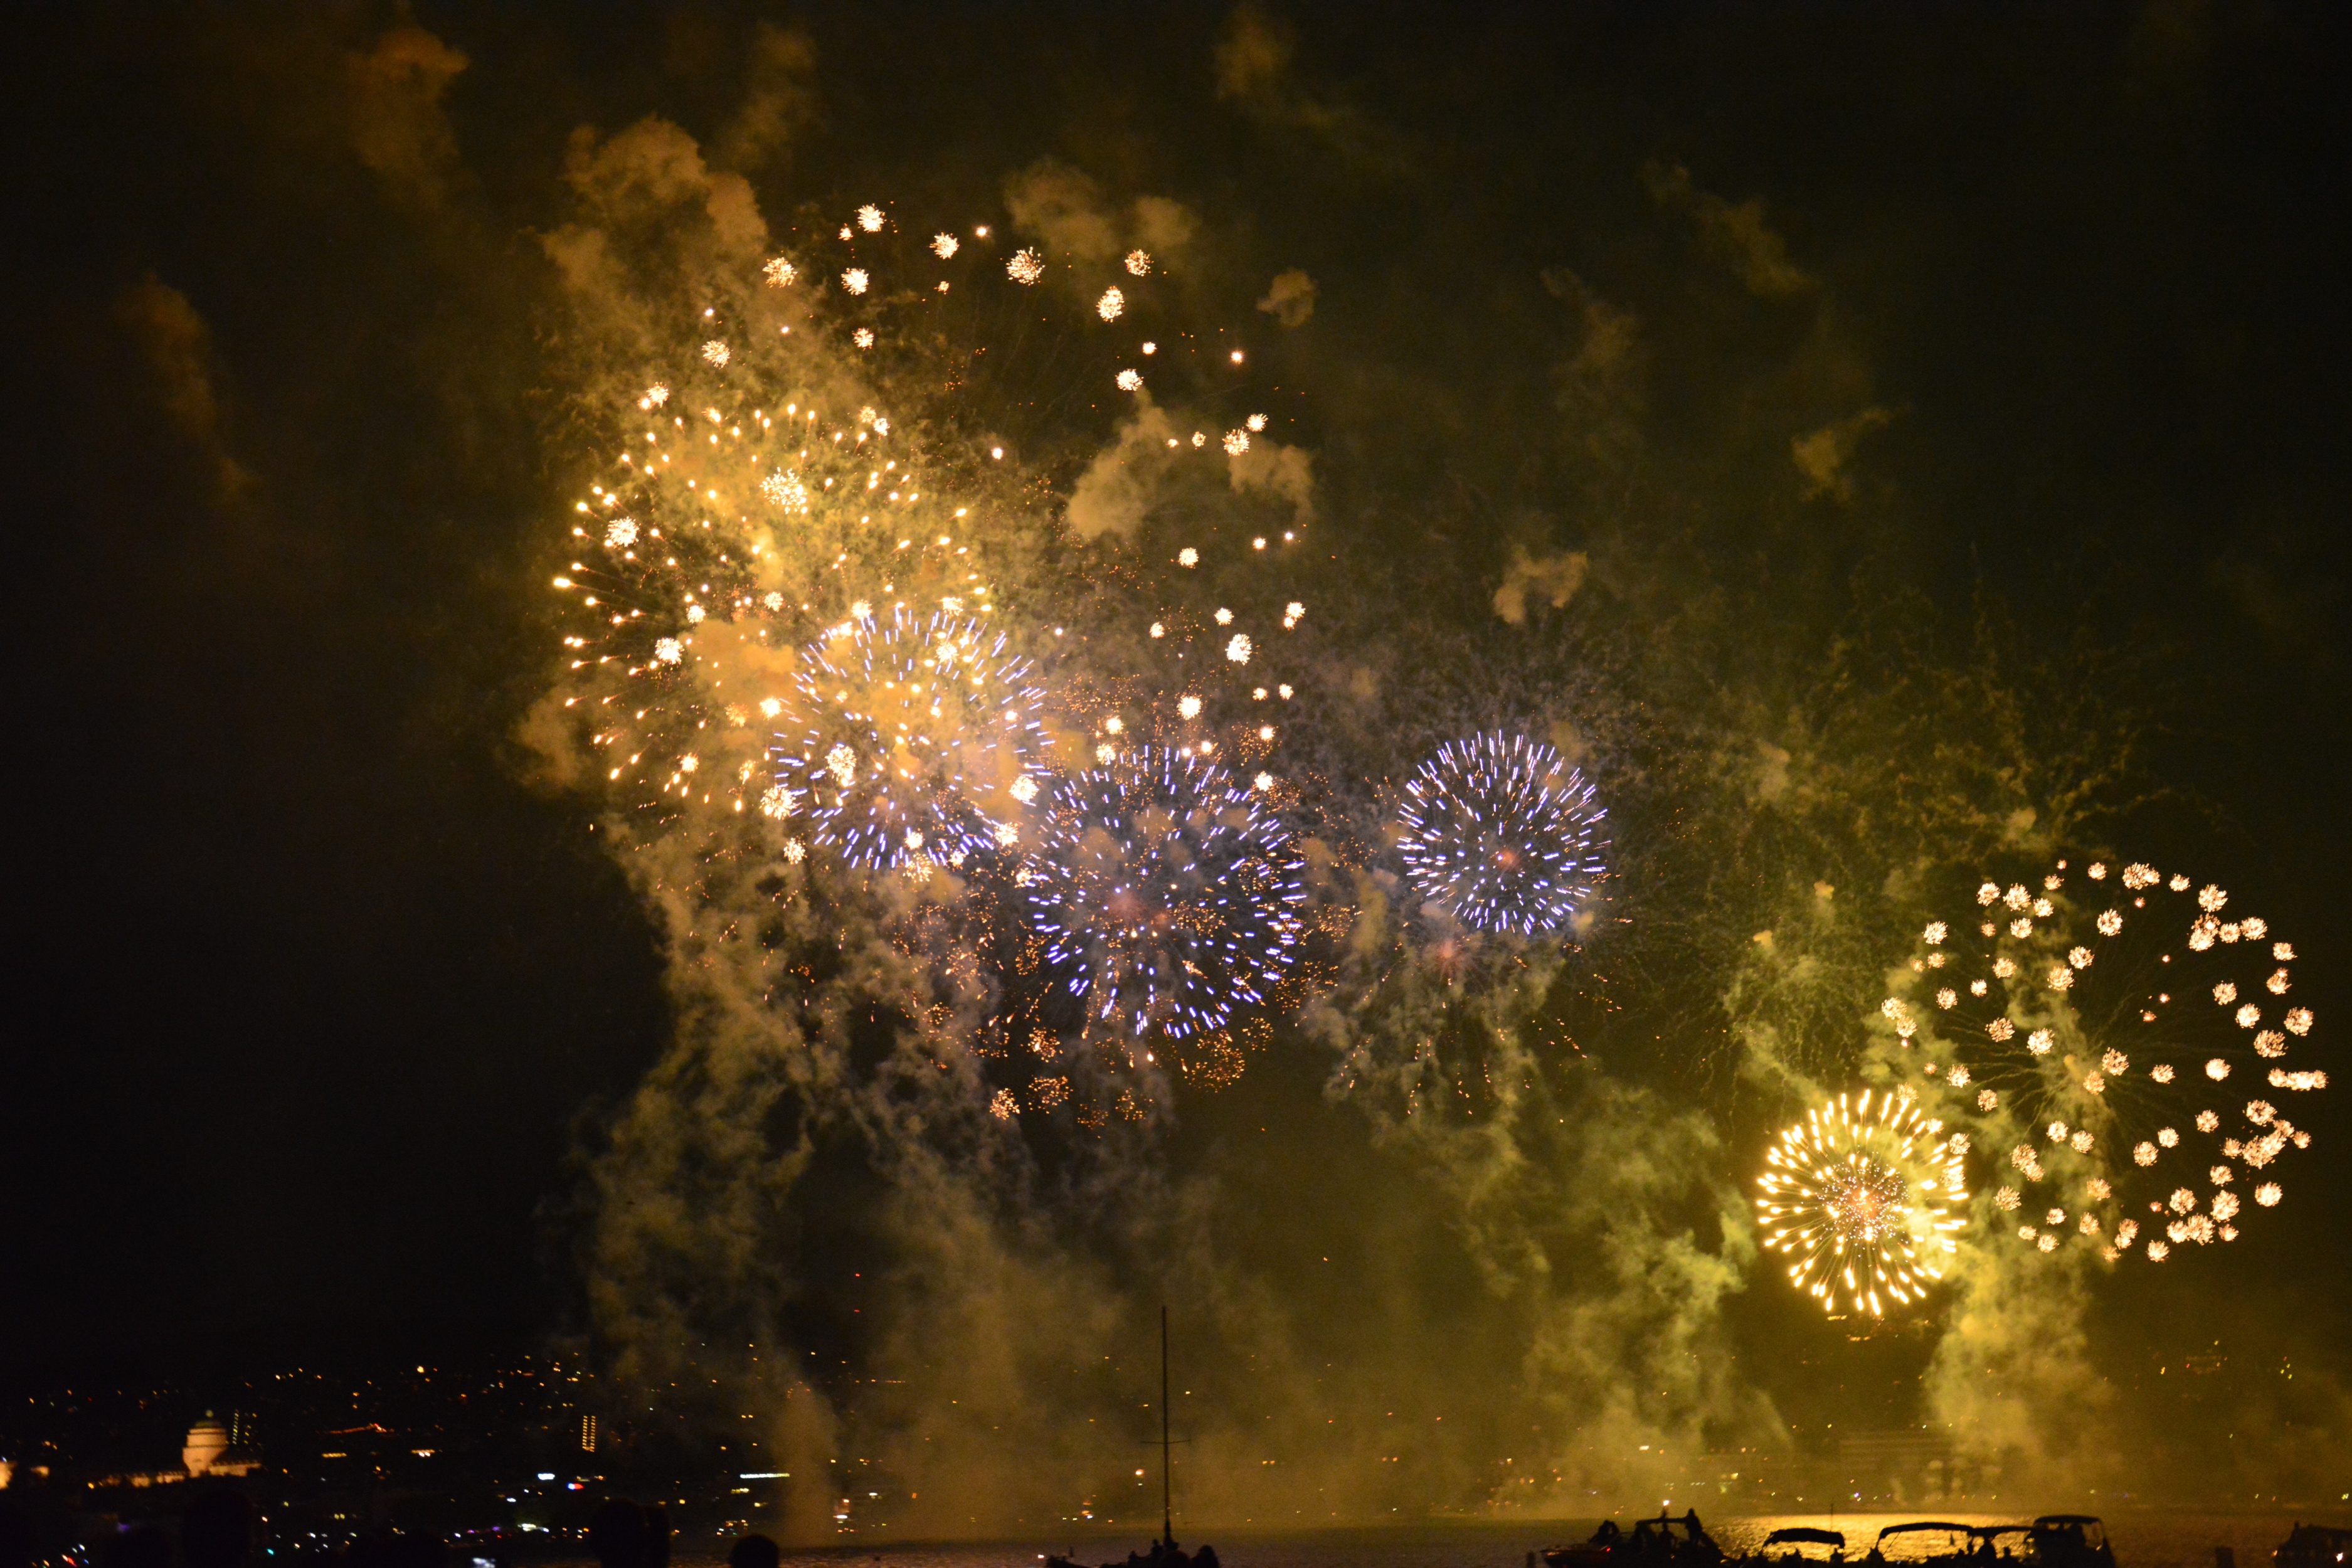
x=2093 y=1025
x=906 y=733
x=2092 y=1034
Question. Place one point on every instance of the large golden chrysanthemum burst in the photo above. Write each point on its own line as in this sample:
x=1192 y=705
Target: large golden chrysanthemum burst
x=1862 y=1197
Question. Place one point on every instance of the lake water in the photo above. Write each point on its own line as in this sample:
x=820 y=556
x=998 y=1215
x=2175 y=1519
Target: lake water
x=2141 y=1540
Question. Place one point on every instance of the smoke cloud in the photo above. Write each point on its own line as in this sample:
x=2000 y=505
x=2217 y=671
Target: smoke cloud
x=1473 y=1225
x=1554 y=580
x=1065 y=211
x=398 y=126
x=1291 y=299
x=177 y=346
x=1824 y=457
x=1736 y=233
x=1115 y=492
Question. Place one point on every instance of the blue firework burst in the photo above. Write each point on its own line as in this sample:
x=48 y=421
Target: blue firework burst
x=1504 y=835
x=1168 y=900
x=907 y=740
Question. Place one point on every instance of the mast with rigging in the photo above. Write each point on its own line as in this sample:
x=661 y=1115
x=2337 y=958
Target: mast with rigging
x=1167 y=1510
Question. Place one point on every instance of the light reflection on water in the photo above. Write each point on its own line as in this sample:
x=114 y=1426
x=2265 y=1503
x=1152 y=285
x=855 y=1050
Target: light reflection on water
x=2141 y=1540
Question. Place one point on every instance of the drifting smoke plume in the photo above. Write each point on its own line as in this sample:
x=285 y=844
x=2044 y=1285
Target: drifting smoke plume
x=1267 y=434
x=1290 y=300
x=1594 y=1216
x=1481 y=1196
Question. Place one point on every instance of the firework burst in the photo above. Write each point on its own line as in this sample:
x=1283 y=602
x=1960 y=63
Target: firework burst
x=788 y=594
x=2132 y=1040
x=1862 y=1197
x=1170 y=907
x=710 y=551
x=1503 y=834
x=742 y=513
x=911 y=739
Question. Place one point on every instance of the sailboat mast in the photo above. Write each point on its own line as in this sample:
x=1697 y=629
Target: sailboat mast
x=1167 y=1512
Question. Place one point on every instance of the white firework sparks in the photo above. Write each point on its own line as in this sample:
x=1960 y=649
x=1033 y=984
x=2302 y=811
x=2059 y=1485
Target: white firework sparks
x=2136 y=1015
x=786 y=490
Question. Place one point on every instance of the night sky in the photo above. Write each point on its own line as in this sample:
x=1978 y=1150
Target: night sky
x=319 y=998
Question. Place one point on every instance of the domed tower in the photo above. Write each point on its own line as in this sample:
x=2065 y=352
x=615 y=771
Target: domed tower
x=207 y=1441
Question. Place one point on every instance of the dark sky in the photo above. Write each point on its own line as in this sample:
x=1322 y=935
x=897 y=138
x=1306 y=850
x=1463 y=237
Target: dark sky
x=312 y=994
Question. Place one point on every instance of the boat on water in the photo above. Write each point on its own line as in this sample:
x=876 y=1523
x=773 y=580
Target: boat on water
x=1165 y=1553
x=1789 y=1544
x=2313 y=1546
x=2068 y=1540
x=2053 y=1541
x=1939 y=1540
x=1664 y=1539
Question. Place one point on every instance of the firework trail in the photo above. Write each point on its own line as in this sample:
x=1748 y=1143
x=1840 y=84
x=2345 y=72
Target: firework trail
x=2122 y=1044
x=1862 y=1197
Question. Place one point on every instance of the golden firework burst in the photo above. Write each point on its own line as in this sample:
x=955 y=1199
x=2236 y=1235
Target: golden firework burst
x=1862 y=1197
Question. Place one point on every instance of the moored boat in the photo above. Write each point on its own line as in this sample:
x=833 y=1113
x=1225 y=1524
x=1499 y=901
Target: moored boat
x=2070 y=1541
x=1788 y=1545
x=1956 y=1547
x=1165 y=1553
x=2313 y=1546
x=1664 y=1539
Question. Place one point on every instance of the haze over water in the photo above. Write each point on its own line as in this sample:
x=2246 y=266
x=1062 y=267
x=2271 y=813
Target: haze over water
x=2141 y=1540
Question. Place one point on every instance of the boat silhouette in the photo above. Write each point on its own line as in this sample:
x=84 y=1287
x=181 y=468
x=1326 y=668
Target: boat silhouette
x=1165 y=1553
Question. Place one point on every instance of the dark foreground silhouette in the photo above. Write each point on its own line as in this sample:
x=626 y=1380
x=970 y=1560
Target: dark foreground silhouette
x=1164 y=1554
